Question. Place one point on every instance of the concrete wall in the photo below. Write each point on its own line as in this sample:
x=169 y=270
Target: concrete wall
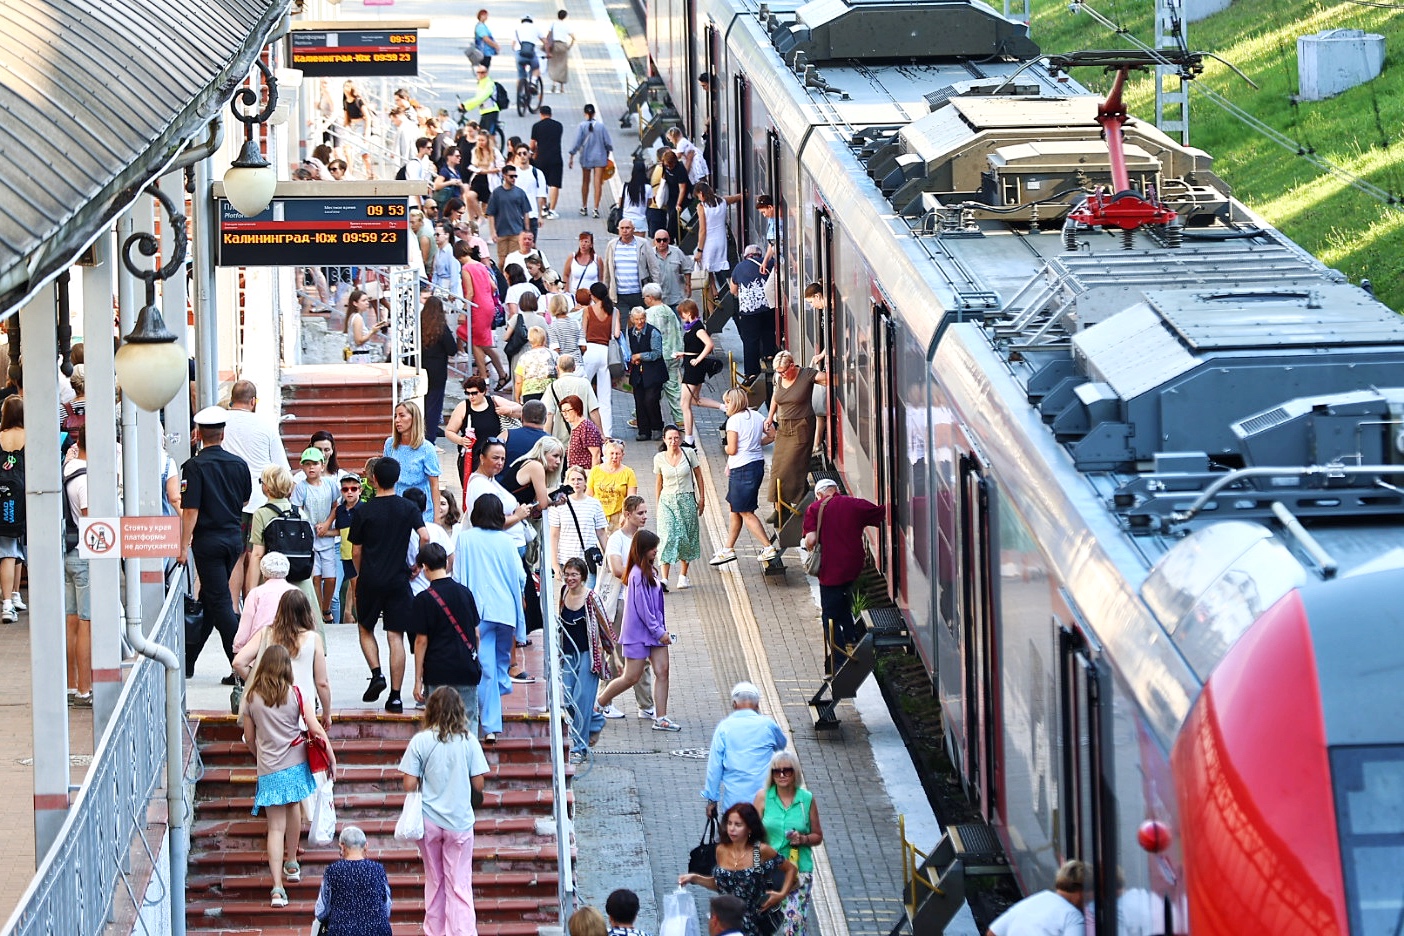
x=1196 y=10
x=1337 y=60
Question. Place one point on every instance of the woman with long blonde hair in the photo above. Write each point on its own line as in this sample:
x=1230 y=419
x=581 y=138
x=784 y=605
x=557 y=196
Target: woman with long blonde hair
x=419 y=460
x=294 y=628
x=273 y=731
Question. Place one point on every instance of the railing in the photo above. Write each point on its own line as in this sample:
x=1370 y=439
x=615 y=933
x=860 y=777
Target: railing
x=555 y=695
x=72 y=892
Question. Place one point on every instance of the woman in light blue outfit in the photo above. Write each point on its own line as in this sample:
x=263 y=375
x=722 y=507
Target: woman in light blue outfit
x=594 y=147
x=419 y=460
x=486 y=562
x=585 y=643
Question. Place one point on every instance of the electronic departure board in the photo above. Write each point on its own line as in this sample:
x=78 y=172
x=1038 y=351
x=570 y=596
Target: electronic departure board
x=355 y=53
x=317 y=232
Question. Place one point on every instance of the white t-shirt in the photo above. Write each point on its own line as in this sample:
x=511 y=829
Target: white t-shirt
x=749 y=426
x=592 y=519
x=76 y=489
x=532 y=181
x=446 y=772
x=437 y=534
x=527 y=32
x=254 y=439
x=478 y=485
x=1043 y=914
x=515 y=294
x=612 y=589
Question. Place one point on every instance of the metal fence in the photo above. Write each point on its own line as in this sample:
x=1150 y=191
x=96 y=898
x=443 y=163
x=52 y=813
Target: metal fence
x=72 y=892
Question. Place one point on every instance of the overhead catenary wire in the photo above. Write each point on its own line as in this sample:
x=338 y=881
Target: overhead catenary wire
x=1384 y=196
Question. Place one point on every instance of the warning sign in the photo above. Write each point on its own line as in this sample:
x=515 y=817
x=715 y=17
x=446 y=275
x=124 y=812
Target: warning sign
x=128 y=537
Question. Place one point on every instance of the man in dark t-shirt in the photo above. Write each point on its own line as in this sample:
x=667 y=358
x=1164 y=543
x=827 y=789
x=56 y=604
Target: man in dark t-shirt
x=546 y=155
x=379 y=530
x=518 y=442
x=444 y=622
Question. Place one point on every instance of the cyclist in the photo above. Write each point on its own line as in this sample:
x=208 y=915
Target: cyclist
x=527 y=41
x=484 y=99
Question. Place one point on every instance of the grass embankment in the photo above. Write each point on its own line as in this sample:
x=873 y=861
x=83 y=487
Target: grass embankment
x=1359 y=130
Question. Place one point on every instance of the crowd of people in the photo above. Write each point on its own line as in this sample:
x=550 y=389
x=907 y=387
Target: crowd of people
x=395 y=546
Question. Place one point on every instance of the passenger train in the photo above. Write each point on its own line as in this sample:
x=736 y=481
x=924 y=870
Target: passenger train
x=1144 y=475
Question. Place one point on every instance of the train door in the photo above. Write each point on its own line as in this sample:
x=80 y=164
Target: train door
x=889 y=439
x=741 y=170
x=689 y=41
x=1087 y=799
x=822 y=332
x=708 y=141
x=976 y=576
x=773 y=186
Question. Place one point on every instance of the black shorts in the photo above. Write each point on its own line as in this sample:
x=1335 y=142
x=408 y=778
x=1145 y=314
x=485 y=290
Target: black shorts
x=553 y=174
x=393 y=601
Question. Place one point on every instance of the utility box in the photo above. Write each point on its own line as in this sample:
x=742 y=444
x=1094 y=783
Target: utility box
x=1337 y=60
x=1196 y=10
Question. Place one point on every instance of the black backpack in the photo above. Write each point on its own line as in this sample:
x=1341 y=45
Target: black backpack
x=70 y=521
x=288 y=533
x=401 y=175
x=12 y=494
x=503 y=99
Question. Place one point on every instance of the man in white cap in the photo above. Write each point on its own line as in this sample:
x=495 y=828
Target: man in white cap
x=215 y=485
x=739 y=757
x=834 y=524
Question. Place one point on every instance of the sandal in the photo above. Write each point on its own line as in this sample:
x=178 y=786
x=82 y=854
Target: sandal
x=666 y=724
x=292 y=872
x=490 y=738
x=277 y=897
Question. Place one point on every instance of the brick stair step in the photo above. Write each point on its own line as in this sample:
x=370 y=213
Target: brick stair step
x=485 y=826
x=364 y=751
x=256 y=907
x=370 y=723
x=213 y=926
x=515 y=883
x=352 y=803
x=252 y=857
x=373 y=773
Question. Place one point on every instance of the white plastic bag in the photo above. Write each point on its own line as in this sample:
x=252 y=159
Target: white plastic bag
x=323 y=815
x=410 y=827
x=679 y=914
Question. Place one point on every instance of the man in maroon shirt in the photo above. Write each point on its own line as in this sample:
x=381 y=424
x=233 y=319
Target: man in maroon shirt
x=841 y=560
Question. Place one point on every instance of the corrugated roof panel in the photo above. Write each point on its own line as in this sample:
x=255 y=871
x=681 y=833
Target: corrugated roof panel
x=95 y=98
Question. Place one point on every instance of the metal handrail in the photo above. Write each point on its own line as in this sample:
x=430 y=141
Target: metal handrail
x=555 y=696
x=72 y=891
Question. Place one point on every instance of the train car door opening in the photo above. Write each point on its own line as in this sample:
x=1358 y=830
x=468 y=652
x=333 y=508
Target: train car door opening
x=821 y=329
x=711 y=46
x=689 y=42
x=779 y=225
x=891 y=441
x=980 y=663
x=742 y=172
x=1087 y=799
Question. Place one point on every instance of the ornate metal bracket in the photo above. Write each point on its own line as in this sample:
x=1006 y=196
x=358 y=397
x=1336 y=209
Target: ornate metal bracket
x=150 y=327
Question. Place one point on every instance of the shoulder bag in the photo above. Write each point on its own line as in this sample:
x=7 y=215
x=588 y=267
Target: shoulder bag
x=769 y=922
x=703 y=857
x=318 y=753
x=594 y=558
x=475 y=668
x=811 y=561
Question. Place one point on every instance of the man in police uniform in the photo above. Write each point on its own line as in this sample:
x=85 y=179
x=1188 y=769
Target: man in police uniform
x=215 y=485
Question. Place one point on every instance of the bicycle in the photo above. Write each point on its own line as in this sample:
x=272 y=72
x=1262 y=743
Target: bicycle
x=529 y=93
x=464 y=117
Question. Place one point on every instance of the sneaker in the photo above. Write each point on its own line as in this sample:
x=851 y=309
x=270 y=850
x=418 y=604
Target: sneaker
x=597 y=212
x=81 y=700
x=584 y=212
x=633 y=424
x=683 y=582
x=230 y=680
x=18 y=602
x=609 y=711
x=551 y=215
x=376 y=687
x=647 y=713
x=722 y=557
x=395 y=705
x=7 y=613
x=577 y=758
x=666 y=724
x=768 y=553
x=523 y=677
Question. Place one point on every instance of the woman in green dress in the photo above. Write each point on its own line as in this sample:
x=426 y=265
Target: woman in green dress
x=792 y=828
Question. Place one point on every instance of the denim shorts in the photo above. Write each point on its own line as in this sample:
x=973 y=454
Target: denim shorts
x=75 y=587
x=326 y=562
x=743 y=486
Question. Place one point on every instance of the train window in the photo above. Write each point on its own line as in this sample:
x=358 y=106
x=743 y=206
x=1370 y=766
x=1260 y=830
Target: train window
x=1369 y=785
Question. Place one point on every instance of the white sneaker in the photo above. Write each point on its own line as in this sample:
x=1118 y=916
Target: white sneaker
x=722 y=557
x=769 y=553
x=609 y=711
x=683 y=582
x=18 y=602
x=646 y=713
x=7 y=613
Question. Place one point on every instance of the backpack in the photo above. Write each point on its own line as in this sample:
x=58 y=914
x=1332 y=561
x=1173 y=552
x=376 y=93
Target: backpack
x=288 y=533
x=401 y=175
x=70 y=522
x=501 y=97
x=12 y=494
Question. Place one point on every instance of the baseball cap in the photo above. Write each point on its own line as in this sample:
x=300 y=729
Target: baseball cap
x=752 y=250
x=313 y=455
x=825 y=484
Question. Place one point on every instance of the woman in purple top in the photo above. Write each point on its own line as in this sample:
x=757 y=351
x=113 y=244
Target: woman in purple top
x=643 y=634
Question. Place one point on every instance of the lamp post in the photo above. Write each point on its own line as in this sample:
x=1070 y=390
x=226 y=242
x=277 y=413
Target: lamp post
x=151 y=364
x=250 y=181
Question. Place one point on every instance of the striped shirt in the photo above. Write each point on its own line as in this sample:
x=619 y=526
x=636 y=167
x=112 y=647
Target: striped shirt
x=626 y=269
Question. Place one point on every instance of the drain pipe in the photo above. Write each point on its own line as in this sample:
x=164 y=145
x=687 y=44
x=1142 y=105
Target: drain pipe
x=175 y=758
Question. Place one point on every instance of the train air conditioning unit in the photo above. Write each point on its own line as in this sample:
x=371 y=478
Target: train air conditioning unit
x=897 y=30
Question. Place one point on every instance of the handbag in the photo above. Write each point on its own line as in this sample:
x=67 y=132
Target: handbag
x=410 y=826
x=772 y=289
x=770 y=921
x=475 y=668
x=609 y=168
x=194 y=622
x=616 y=214
x=318 y=753
x=517 y=339
x=616 y=361
x=811 y=561
x=703 y=857
x=594 y=556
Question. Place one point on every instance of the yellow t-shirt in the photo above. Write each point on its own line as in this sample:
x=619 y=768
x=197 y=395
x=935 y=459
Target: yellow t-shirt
x=610 y=488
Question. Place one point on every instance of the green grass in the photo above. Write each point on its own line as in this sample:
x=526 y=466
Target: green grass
x=1358 y=130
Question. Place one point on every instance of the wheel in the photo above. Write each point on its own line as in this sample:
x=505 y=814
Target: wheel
x=501 y=137
x=522 y=94
x=534 y=94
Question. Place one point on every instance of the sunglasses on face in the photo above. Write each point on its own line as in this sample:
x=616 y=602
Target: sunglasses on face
x=660 y=240
x=783 y=771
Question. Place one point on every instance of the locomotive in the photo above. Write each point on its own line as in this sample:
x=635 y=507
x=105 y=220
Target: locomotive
x=1143 y=454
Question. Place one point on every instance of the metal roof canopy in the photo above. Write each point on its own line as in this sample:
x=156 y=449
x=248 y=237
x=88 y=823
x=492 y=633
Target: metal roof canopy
x=97 y=99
